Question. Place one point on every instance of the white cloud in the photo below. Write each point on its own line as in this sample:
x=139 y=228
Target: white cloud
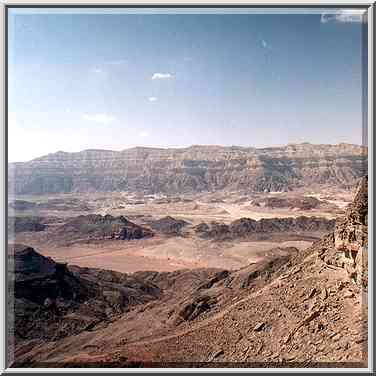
x=98 y=118
x=161 y=76
x=344 y=16
x=264 y=44
x=153 y=99
x=97 y=70
x=144 y=134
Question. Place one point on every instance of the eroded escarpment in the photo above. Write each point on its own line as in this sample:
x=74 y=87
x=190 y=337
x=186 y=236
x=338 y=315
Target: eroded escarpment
x=192 y=169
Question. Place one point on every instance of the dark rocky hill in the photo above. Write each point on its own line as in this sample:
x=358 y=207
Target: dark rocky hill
x=192 y=169
x=26 y=223
x=302 y=203
x=51 y=204
x=246 y=227
x=168 y=225
x=22 y=205
x=97 y=227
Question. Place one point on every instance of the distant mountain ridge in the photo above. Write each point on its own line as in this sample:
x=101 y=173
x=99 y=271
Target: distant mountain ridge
x=197 y=168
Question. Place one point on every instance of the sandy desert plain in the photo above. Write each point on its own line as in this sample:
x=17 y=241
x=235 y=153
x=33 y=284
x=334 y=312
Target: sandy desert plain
x=176 y=243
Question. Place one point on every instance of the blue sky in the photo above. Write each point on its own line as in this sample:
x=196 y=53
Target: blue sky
x=111 y=81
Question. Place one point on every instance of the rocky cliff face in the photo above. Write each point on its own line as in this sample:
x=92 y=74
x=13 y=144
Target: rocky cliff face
x=193 y=169
x=352 y=230
x=349 y=246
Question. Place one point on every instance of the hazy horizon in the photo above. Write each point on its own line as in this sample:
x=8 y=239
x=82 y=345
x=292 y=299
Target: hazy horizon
x=187 y=146
x=114 y=81
x=191 y=146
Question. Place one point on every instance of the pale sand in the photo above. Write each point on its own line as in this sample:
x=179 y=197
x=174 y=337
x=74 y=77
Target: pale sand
x=164 y=254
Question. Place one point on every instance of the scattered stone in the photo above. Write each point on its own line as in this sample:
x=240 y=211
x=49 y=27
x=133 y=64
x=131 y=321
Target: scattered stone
x=312 y=293
x=332 y=267
x=259 y=349
x=48 y=303
x=196 y=307
x=259 y=327
x=360 y=340
x=349 y=294
x=290 y=357
x=89 y=327
x=216 y=355
x=324 y=293
x=308 y=319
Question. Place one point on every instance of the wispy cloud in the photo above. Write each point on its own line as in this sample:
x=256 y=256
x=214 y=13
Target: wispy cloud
x=153 y=99
x=265 y=44
x=97 y=70
x=99 y=118
x=144 y=134
x=161 y=76
x=344 y=16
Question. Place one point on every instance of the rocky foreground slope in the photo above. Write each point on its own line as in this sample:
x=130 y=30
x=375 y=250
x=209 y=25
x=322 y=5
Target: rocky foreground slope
x=300 y=309
x=193 y=169
x=49 y=301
